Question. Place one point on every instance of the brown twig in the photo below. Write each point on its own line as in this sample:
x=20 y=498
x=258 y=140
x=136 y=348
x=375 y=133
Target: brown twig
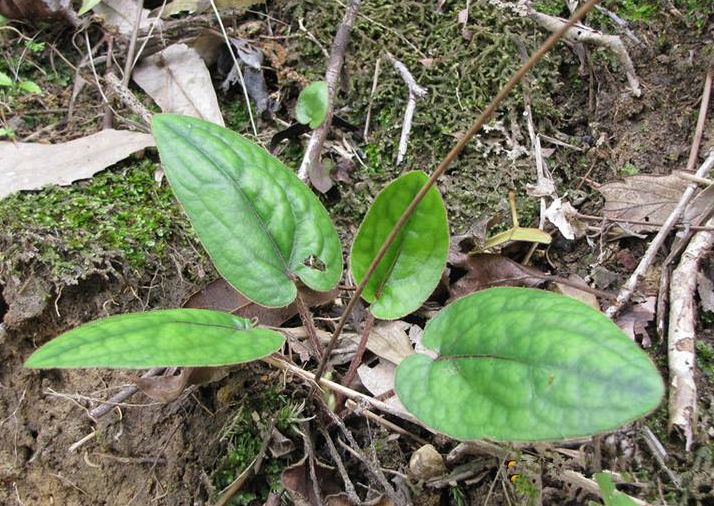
x=110 y=404
x=129 y=63
x=128 y=98
x=629 y=287
x=415 y=93
x=349 y=486
x=334 y=68
x=361 y=347
x=309 y=324
x=455 y=151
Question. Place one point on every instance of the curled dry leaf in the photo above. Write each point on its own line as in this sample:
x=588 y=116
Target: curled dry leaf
x=30 y=166
x=379 y=380
x=642 y=198
x=221 y=296
x=296 y=480
x=389 y=340
x=565 y=217
x=488 y=270
x=169 y=388
x=121 y=14
x=584 y=296
x=634 y=321
x=280 y=445
x=179 y=81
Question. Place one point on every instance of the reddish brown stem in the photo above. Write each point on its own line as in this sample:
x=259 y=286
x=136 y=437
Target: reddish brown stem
x=455 y=151
x=308 y=322
x=357 y=359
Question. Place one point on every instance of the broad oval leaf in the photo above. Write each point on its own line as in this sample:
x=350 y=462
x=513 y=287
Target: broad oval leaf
x=312 y=104
x=260 y=224
x=413 y=265
x=87 y=5
x=163 y=338
x=517 y=364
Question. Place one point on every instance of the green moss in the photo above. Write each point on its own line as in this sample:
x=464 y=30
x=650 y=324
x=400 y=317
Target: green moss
x=120 y=217
x=705 y=359
x=244 y=436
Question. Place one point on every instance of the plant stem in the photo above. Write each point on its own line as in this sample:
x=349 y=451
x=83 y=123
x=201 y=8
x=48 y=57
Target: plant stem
x=455 y=151
x=357 y=359
x=309 y=323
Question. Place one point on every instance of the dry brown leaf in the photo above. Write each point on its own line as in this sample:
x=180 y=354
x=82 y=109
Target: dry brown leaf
x=488 y=270
x=179 y=81
x=642 y=198
x=280 y=445
x=34 y=10
x=389 y=340
x=221 y=296
x=584 y=296
x=634 y=321
x=168 y=388
x=30 y=166
x=379 y=380
x=296 y=480
x=121 y=14
x=195 y=6
x=700 y=205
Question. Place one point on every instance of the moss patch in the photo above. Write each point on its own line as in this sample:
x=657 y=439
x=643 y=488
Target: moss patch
x=119 y=220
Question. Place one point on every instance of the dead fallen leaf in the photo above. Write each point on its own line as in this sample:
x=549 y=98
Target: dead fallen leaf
x=379 y=380
x=296 y=480
x=488 y=270
x=179 y=81
x=626 y=259
x=35 y=10
x=642 y=198
x=280 y=445
x=221 y=296
x=198 y=6
x=319 y=174
x=583 y=296
x=30 y=166
x=700 y=206
x=121 y=15
x=389 y=340
x=634 y=321
x=565 y=217
x=169 y=388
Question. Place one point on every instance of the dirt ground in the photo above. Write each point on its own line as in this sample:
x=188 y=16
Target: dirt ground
x=183 y=452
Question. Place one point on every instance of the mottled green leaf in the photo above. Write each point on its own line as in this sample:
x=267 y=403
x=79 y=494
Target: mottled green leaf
x=312 y=104
x=171 y=337
x=260 y=224
x=516 y=364
x=413 y=265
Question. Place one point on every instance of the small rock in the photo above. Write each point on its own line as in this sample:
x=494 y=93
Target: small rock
x=426 y=463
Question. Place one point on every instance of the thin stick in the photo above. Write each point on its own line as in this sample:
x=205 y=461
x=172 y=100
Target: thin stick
x=309 y=324
x=629 y=287
x=334 y=68
x=682 y=334
x=415 y=92
x=384 y=423
x=349 y=487
x=455 y=151
x=107 y=406
x=229 y=44
x=591 y=217
x=375 y=80
x=347 y=392
x=129 y=63
x=357 y=359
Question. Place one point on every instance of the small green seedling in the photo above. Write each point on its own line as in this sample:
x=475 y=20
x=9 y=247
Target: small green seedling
x=610 y=495
x=510 y=364
x=312 y=104
x=26 y=86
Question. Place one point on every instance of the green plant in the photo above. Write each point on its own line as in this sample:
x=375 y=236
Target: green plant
x=312 y=104
x=512 y=364
x=610 y=495
x=26 y=86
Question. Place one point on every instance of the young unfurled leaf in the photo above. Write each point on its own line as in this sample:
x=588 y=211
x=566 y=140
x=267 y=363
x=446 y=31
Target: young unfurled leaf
x=257 y=220
x=5 y=79
x=87 y=5
x=517 y=364
x=164 y=338
x=312 y=104
x=413 y=265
